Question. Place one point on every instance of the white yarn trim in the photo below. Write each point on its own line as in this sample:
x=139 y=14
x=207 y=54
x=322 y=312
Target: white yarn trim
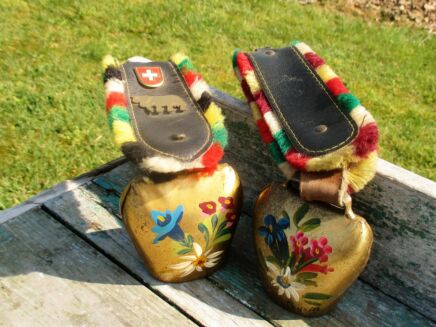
x=272 y=122
x=114 y=85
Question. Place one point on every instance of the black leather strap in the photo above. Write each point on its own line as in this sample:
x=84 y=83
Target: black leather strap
x=310 y=115
x=165 y=117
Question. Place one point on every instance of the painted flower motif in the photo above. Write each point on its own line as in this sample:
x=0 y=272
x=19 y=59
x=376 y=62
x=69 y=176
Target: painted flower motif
x=208 y=207
x=199 y=261
x=299 y=241
x=273 y=230
x=284 y=281
x=231 y=218
x=226 y=202
x=167 y=224
x=320 y=249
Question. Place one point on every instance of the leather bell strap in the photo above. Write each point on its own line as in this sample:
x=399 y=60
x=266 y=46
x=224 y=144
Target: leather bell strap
x=329 y=187
x=311 y=117
x=166 y=119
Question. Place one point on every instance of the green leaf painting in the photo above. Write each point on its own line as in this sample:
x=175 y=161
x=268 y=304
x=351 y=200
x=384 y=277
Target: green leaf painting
x=216 y=228
x=310 y=225
x=294 y=260
x=300 y=213
x=316 y=296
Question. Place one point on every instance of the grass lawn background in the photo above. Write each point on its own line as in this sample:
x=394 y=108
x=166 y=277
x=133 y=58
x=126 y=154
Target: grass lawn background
x=52 y=118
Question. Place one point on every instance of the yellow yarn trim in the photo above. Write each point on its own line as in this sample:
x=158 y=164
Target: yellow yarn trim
x=252 y=82
x=213 y=114
x=359 y=174
x=178 y=58
x=107 y=61
x=333 y=160
x=123 y=132
x=326 y=73
x=255 y=111
x=303 y=48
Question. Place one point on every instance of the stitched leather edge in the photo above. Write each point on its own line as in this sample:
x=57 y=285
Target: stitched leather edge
x=283 y=120
x=193 y=103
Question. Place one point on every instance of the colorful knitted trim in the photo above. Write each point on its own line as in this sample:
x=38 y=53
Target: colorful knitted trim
x=120 y=121
x=358 y=159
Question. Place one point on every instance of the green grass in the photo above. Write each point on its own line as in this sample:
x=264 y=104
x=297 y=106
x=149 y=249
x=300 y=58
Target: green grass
x=53 y=125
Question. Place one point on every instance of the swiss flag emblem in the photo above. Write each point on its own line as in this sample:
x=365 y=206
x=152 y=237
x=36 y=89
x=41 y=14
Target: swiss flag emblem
x=149 y=76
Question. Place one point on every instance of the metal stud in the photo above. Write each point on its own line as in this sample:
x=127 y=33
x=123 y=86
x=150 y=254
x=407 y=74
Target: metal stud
x=178 y=137
x=320 y=129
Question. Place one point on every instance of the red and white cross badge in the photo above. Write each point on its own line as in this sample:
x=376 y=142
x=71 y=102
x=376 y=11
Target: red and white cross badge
x=149 y=76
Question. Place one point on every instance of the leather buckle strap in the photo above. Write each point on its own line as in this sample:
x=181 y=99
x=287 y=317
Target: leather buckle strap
x=165 y=117
x=310 y=115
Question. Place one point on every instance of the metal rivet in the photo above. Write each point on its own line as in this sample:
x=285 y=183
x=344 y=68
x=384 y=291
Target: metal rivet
x=321 y=129
x=178 y=137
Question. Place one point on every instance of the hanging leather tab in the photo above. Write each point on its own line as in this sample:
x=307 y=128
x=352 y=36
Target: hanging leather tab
x=322 y=186
x=165 y=117
x=310 y=115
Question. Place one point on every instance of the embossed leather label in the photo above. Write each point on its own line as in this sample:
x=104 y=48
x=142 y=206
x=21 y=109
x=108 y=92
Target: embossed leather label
x=165 y=117
x=310 y=115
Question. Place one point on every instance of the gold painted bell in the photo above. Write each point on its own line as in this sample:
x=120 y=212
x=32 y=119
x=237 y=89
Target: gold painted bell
x=309 y=253
x=182 y=228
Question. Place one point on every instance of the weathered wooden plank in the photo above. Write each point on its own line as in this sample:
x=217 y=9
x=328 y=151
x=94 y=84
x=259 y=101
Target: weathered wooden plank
x=401 y=214
x=201 y=299
x=56 y=190
x=119 y=177
x=50 y=277
x=362 y=305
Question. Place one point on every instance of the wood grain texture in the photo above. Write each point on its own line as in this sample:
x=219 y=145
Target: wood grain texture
x=81 y=209
x=50 y=277
x=403 y=261
x=65 y=186
x=401 y=215
x=362 y=306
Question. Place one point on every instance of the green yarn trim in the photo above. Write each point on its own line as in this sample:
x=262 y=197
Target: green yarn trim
x=118 y=113
x=295 y=42
x=347 y=101
x=220 y=135
x=235 y=57
x=276 y=154
x=282 y=141
x=186 y=63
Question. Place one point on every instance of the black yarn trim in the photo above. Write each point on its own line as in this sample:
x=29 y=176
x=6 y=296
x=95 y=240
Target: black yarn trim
x=205 y=100
x=111 y=72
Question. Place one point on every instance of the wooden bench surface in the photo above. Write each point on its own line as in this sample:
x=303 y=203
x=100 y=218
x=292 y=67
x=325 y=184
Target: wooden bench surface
x=66 y=260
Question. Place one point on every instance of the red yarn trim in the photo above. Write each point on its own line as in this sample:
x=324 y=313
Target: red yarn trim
x=115 y=99
x=212 y=156
x=191 y=76
x=296 y=159
x=366 y=141
x=262 y=102
x=314 y=60
x=244 y=63
x=336 y=87
x=201 y=172
x=264 y=131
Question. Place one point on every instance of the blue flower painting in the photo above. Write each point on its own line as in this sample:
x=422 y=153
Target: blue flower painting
x=167 y=224
x=273 y=230
x=275 y=237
